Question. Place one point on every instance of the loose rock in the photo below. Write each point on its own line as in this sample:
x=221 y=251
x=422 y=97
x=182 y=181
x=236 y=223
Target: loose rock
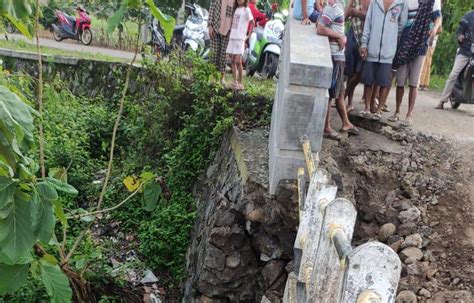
x=410 y=215
x=425 y=293
x=386 y=231
x=406 y=296
x=414 y=240
x=412 y=253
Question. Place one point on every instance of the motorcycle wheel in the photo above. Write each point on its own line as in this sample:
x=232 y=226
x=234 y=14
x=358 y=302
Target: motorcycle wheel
x=57 y=36
x=86 y=36
x=10 y=28
x=455 y=105
x=270 y=66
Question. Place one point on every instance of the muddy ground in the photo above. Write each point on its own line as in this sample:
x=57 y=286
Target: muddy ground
x=415 y=192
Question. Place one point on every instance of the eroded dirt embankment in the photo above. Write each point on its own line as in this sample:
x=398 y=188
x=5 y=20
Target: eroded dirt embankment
x=413 y=192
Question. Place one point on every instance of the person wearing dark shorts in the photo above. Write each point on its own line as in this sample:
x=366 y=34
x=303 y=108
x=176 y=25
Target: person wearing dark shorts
x=384 y=22
x=331 y=25
x=355 y=13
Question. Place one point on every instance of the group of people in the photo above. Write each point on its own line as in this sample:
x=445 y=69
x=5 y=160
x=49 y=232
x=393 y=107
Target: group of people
x=387 y=41
x=230 y=24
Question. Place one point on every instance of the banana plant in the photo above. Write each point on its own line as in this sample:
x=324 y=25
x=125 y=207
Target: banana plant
x=17 y=12
x=167 y=22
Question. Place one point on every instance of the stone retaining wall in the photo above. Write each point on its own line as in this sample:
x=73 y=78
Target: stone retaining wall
x=242 y=241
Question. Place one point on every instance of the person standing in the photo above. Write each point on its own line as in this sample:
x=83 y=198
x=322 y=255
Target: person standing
x=426 y=72
x=259 y=17
x=465 y=39
x=331 y=25
x=241 y=22
x=220 y=21
x=302 y=9
x=355 y=11
x=383 y=24
x=424 y=18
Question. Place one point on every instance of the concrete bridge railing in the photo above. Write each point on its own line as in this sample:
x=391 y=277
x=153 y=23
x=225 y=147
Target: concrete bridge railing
x=327 y=268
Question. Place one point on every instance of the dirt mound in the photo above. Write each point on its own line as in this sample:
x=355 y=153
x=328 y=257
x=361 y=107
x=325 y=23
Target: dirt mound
x=414 y=192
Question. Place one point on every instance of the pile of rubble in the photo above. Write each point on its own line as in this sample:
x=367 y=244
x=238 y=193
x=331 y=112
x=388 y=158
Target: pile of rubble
x=410 y=194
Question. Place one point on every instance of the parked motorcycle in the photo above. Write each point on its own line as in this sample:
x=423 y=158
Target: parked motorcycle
x=196 y=34
x=153 y=34
x=463 y=91
x=264 y=50
x=68 y=27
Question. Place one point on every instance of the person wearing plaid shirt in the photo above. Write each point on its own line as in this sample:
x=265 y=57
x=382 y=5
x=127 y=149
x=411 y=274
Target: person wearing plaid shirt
x=355 y=13
x=220 y=21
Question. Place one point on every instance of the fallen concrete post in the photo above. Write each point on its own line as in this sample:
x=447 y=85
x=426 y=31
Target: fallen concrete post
x=300 y=104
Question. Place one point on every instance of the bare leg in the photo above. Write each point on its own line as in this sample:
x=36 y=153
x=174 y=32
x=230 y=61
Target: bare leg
x=411 y=101
x=341 y=109
x=238 y=59
x=375 y=94
x=368 y=90
x=234 y=68
x=383 y=94
x=399 y=99
x=351 y=85
x=327 y=123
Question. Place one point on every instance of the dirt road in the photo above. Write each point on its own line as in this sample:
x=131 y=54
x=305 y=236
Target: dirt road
x=449 y=219
x=453 y=124
x=73 y=46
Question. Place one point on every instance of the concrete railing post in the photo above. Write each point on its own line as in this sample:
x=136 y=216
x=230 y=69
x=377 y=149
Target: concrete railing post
x=301 y=97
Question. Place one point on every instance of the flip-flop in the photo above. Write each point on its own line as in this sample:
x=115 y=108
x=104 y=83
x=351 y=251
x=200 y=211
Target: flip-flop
x=406 y=123
x=351 y=131
x=364 y=113
x=333 y=135
x=440 y=105
x=385 y=109
x=377 y=116
x=394 y=118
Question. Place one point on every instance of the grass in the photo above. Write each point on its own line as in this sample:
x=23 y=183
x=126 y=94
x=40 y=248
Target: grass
x=103 y=38
x=28 y=47
x=437 y=82
x=256 y=86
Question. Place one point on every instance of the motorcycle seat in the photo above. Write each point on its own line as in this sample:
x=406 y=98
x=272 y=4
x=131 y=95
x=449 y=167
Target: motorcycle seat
x=71 y=19
x=259 y=32
x=179 y=28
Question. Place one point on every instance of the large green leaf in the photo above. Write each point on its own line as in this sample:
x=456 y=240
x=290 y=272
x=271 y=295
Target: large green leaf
x=16 y=235
x=12 y=277
x=117 y=18
x=16 y=123
x=59 y=211
x=22 y=27
x=151 y=194
x=17 y=8
x=47 y=191
x=167 y=22
x=43 y=218
x=55 y=282
x=62 y=186
x=7 y=189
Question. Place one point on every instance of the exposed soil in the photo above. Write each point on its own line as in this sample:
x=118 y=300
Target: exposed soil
x=422 y=184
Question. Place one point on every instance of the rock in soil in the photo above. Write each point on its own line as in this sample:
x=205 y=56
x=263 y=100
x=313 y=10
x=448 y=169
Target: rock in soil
x=414 y=240
x=386 y=231
x=406 y=296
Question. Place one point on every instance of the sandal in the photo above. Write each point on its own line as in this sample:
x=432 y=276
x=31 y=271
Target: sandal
x=333 y=135
x=385 y=109
x=364 y=113
x=377 y=116
x=394 y=118
x=440 y=105
x=351 y=131
x=406 y=123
